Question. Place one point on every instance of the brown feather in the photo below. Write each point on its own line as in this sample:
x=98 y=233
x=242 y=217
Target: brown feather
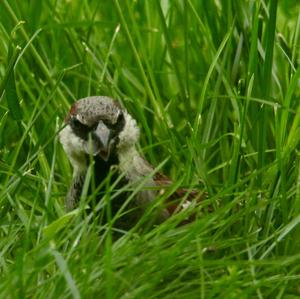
x=175 y=202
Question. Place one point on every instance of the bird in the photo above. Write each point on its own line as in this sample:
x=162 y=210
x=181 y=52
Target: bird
x=99 y=127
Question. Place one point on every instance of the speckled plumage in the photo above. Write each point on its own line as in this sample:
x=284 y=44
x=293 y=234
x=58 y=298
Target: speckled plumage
x=101 y=127
x=91 y=109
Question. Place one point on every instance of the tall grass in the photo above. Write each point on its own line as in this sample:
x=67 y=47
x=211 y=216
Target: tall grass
x=214 y=86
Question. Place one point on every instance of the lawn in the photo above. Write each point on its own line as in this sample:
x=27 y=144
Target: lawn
x=215 y=88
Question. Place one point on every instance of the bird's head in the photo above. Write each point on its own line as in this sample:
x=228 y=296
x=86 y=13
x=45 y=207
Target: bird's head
x=97 y=126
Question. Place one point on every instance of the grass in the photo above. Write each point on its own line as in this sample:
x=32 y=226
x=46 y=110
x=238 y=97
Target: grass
x=214 y=86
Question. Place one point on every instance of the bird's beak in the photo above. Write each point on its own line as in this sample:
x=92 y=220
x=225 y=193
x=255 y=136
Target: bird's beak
x=102 y=140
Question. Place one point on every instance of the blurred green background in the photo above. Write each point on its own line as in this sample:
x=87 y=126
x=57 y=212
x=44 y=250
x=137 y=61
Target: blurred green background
x=214 y=87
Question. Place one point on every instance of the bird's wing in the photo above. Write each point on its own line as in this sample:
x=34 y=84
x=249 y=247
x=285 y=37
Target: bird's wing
x=181 y=198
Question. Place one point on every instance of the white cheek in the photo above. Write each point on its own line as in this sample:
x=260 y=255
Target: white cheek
x=74 y=148
x=130 y=134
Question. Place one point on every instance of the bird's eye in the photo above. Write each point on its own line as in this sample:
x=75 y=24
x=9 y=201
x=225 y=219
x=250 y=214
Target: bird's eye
x=75 y=122
x=120 y=122
x=77 y=125
x=118 y=125
x=121 y=119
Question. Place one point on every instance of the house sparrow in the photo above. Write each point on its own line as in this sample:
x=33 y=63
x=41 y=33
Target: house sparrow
x=98 y=126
